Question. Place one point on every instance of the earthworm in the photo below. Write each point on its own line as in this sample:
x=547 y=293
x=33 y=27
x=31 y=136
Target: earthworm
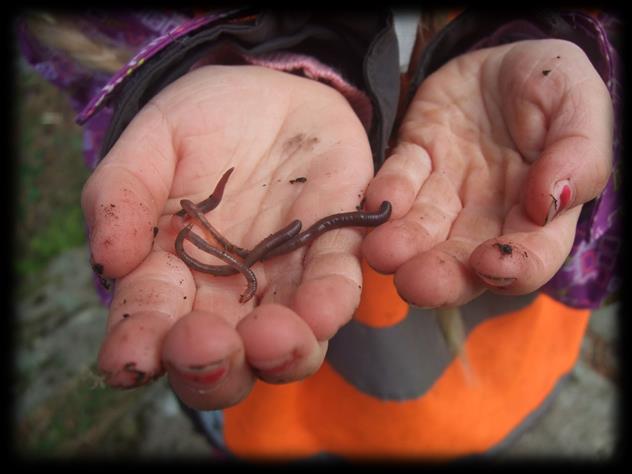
x=196 y=212
x=334 y=221
x=273 y=241
x=215 y=198
x=233 y=263
x=256 y=254
x=278 y=243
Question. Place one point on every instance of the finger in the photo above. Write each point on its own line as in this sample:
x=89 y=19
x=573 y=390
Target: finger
x=439 y=277
x=427 y=222
x=280 y=347
x=570 y=172
x=205 y=361
x=331 y=283
x=526 y=256
x=146 y=303
x=560 y=116
x=126 y=194
x=399 y=179
x=442 y=276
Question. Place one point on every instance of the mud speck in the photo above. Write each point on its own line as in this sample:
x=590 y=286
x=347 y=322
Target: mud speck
x=301 y=179
x=505 y=249
x=108 y=211
x=298 y=142
x=360 y=206
x=105 y=283
x=546 y=72
x=139 y=375
x=97 y=268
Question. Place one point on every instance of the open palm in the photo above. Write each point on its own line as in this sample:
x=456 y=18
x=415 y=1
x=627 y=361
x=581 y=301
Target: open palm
x=495 y=144
x=272 y=128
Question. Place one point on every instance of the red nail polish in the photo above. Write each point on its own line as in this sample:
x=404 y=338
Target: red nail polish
x=203 y=376
x=560 y=199
x=565 y=197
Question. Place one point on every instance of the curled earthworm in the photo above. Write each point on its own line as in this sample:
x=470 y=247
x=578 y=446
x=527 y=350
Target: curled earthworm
x=233 y=264
x=195 y=211
x=252 y=257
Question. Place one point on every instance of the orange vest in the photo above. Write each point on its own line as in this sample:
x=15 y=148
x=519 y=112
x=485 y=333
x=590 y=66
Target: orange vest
x=409 y=397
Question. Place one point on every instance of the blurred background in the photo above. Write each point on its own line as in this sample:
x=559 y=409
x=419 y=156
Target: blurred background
x=61 y=408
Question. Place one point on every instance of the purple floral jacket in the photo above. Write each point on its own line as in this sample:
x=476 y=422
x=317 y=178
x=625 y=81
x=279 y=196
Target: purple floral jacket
x=588 y=279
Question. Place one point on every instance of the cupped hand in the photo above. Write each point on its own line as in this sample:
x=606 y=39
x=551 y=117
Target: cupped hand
x=272 y=128
x=495 y=156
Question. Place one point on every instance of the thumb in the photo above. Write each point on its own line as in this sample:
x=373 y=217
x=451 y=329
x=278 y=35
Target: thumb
x=569 y=173
x=124 y=197
x=565 y=128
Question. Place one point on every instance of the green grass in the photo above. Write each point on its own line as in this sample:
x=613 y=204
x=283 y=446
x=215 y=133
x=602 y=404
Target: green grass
x=64 y=230
x=83 y=419
x=80 y=417
x=50 y=173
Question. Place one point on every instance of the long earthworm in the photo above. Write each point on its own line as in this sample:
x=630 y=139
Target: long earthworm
x=232 y=262
x=273 y=241
x=334 y=221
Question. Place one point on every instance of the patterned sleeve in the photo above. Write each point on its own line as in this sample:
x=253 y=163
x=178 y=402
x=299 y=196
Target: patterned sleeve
x=136 y=34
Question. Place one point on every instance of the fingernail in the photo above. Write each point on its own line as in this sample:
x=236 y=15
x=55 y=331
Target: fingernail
x=202 y=376
x=498 y=282
x=274 y=366
x=560 y=198
x=130 y=376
